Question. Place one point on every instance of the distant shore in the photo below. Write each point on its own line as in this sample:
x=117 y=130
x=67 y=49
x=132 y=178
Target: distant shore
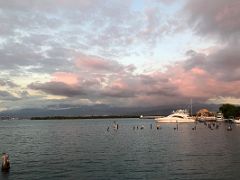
x=84 y=117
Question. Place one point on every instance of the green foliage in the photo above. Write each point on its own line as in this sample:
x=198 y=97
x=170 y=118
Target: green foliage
x=229 y=110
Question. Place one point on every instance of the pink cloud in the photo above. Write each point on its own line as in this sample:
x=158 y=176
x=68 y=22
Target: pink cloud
x=186 y=82
x=203 y=76
x=119 y=84
x=197 y=77
x=65 y=77
x=89 y=63
x=198 y=71
x=92 y=63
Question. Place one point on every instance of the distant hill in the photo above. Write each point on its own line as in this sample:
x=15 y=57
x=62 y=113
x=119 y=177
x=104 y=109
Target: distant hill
x=99 y=110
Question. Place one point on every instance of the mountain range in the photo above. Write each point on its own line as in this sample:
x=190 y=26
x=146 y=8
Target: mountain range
x=102 y=109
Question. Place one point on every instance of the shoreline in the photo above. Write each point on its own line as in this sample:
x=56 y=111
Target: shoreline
x=84 y=117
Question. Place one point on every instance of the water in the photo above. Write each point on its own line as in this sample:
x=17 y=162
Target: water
x=84 y=149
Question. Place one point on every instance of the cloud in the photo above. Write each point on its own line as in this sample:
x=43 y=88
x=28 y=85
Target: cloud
x=118 y=93
x=73 y=25
x=14 y=55
x=57 y=88
x=219 y=18
x=108 y=81
x=120 y=87
x=218 y=70
x=7 y=83
x=200 y=76
x=65 y=77
x=216 y=76
x=47 y=36
x=81 y=47
x=6 y=96
x=45 y=4
x=223 y=64
x=97 y=64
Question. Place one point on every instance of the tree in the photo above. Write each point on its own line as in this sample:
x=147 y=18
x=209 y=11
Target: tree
x=229 y=110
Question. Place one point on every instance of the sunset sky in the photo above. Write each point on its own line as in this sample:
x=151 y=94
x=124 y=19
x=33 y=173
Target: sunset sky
x=128 y=53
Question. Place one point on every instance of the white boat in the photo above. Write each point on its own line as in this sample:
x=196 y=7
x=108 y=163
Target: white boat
x=219 y=117
x=237 y=121
x=178 y=116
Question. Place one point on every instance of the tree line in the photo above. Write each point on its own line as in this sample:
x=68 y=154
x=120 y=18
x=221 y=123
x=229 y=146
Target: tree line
x=229 y=110
x=84 y=117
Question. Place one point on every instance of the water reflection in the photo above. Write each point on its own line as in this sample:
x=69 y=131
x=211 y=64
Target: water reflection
x=84 y=149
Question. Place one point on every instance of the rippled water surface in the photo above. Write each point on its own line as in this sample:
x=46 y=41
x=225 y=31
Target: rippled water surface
x=84 y=149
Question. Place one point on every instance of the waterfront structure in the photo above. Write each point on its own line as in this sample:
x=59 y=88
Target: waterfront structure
x=205 y=115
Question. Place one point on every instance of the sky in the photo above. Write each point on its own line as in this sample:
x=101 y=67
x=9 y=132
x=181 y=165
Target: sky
x=127 y=53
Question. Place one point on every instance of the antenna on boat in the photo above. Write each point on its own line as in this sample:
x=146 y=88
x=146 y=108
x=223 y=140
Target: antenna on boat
x=191 y=106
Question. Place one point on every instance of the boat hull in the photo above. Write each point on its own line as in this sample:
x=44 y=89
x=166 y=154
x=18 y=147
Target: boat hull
x=237 y=121
x=179 y=116
x=167 y=120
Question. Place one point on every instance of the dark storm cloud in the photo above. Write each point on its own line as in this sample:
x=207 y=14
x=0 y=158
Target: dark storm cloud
x=170 y=91
x=118 y=93
x=58 y=88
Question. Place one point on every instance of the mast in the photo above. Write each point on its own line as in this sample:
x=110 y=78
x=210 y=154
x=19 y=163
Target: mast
x=191 y=107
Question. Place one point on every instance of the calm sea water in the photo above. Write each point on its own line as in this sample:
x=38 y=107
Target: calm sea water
x=84 y=149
